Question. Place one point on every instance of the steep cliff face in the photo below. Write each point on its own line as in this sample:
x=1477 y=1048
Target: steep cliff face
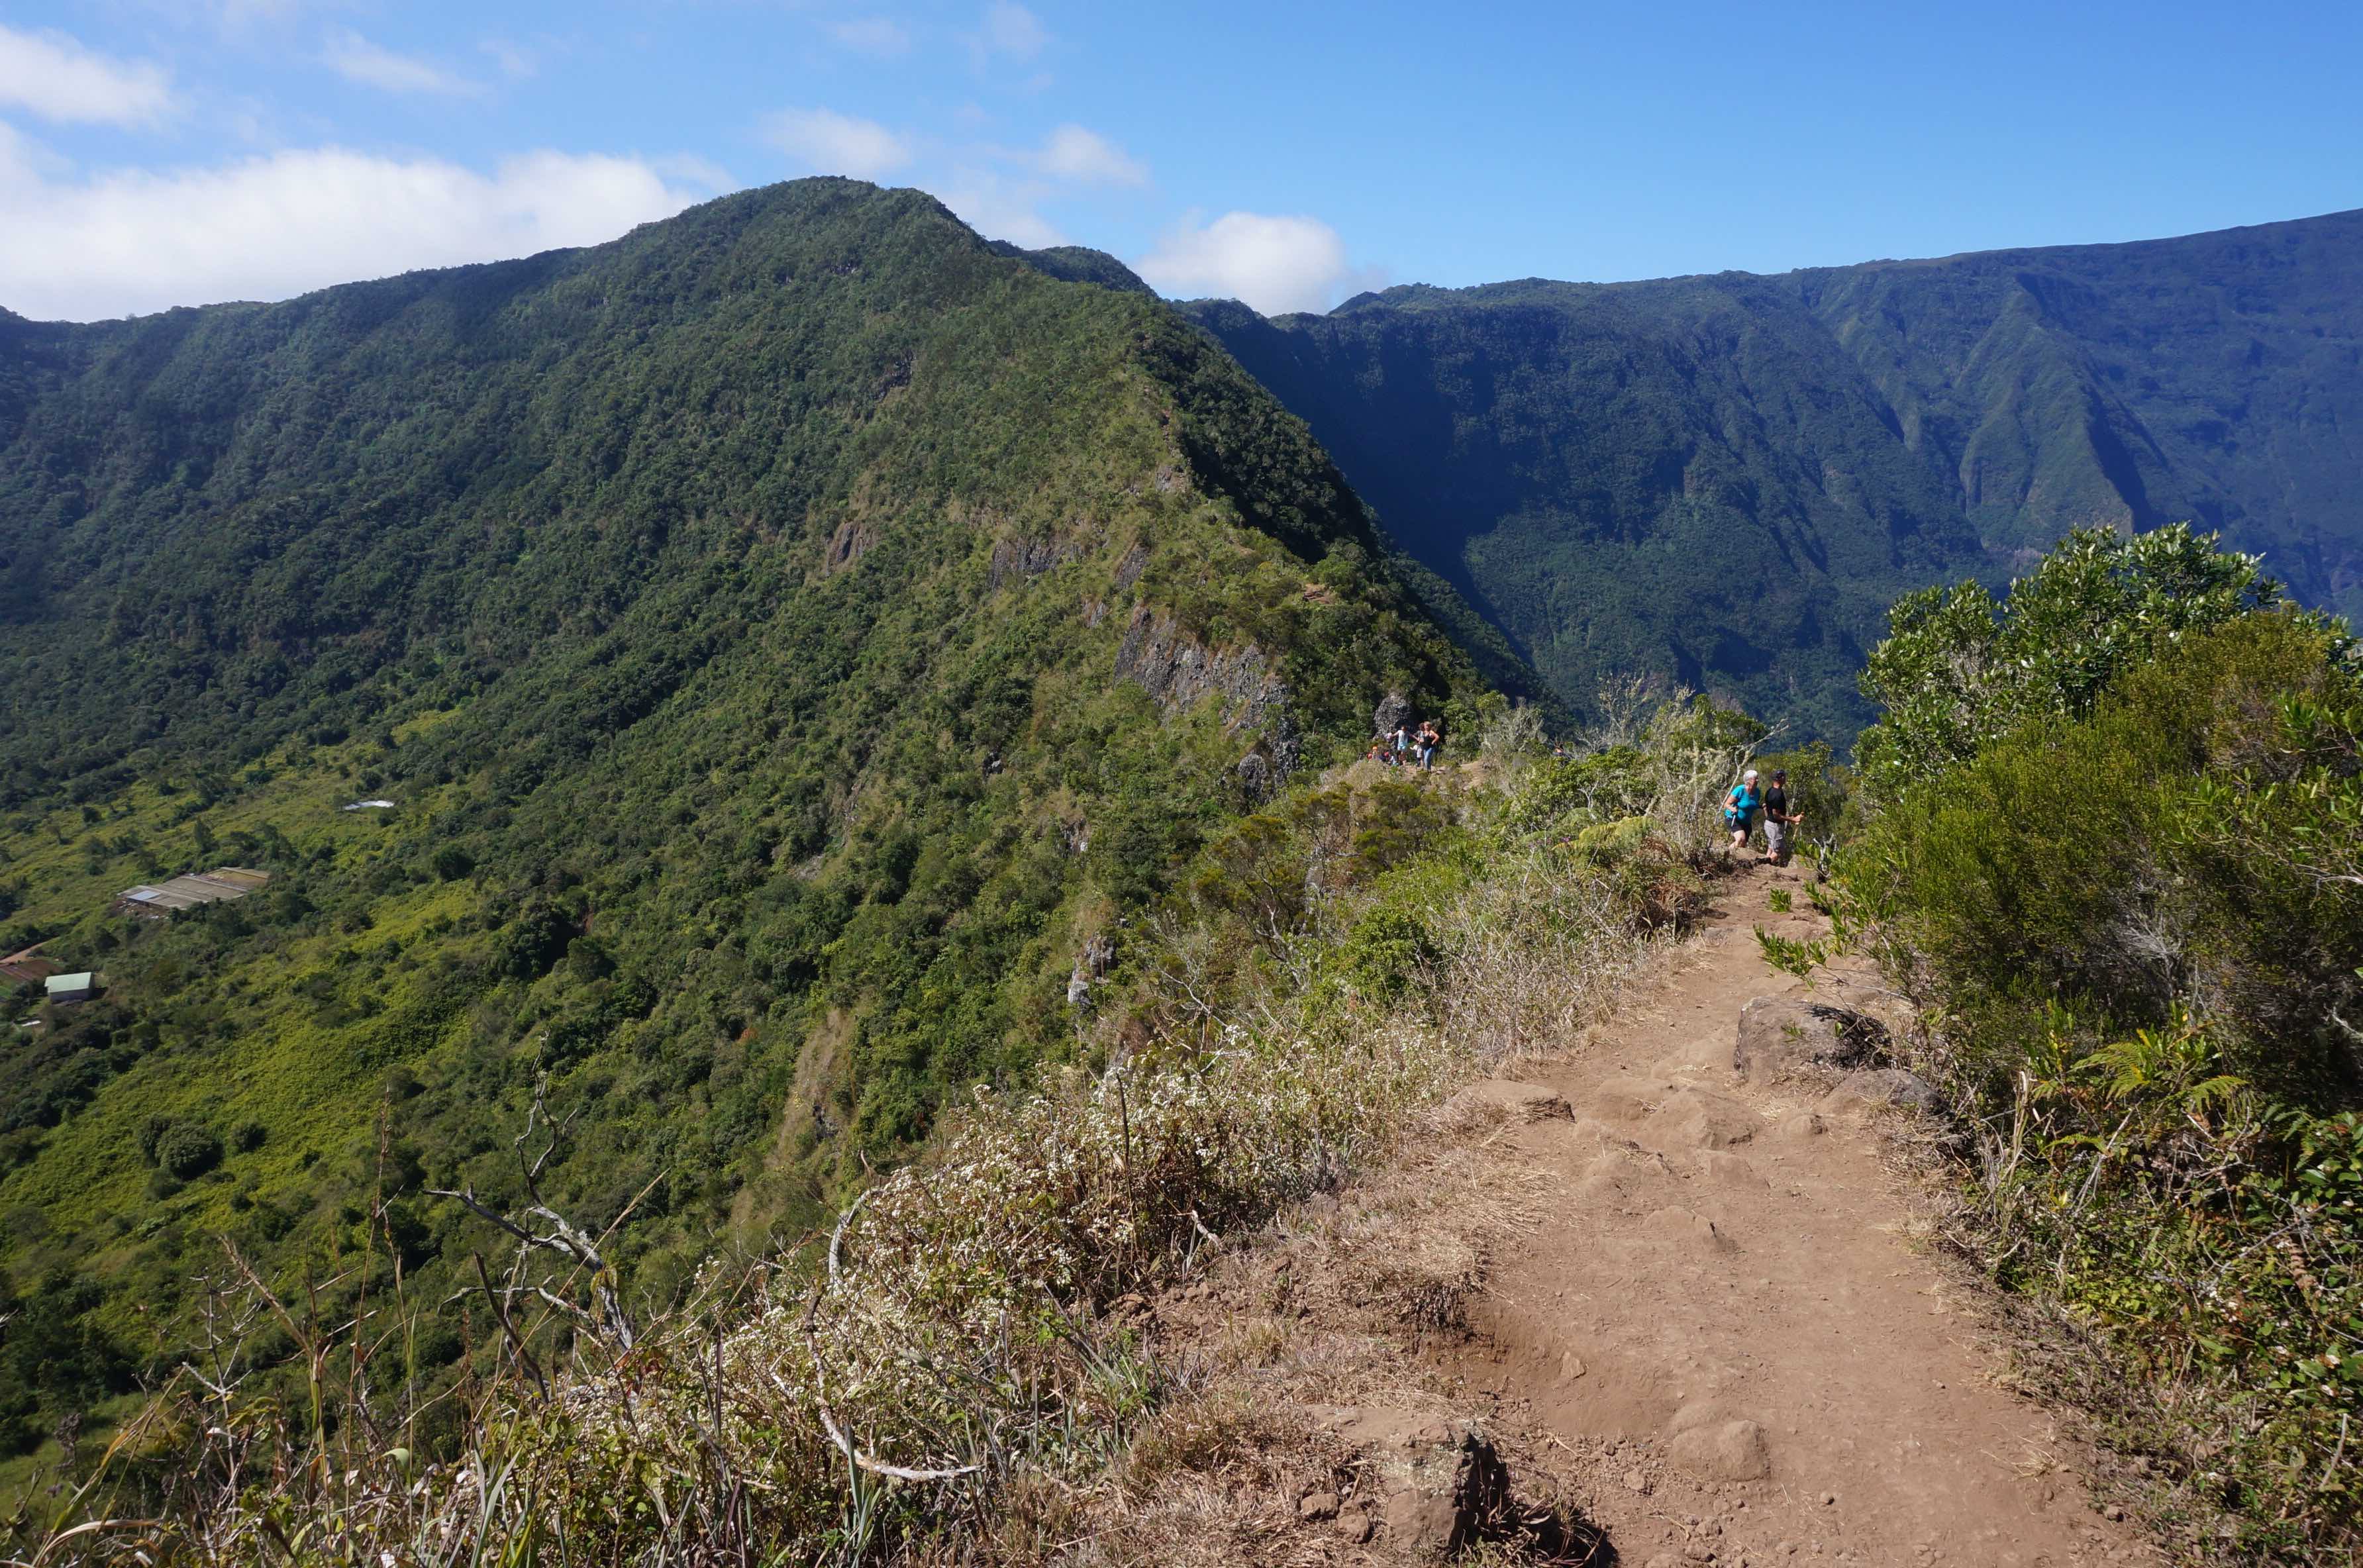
x=2217 y=377
x=1727 y=478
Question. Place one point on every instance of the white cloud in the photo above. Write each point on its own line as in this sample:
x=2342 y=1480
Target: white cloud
x=836 y=144
x=57 y=78
x=999 y=191
x=689 y=169
x=132 y=240
x=1088 y=158
x=882 y=37
x=356 y=58
x=1012 y=31
x=1277 y=264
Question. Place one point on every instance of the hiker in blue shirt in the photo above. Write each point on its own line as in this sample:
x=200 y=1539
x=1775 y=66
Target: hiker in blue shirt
x=1739 y=809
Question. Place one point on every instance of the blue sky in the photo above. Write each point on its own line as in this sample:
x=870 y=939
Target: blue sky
x=155 y=152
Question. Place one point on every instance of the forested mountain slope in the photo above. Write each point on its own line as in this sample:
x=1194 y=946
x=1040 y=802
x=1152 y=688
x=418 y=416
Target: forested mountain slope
x=795 y=638
x=1728 y=477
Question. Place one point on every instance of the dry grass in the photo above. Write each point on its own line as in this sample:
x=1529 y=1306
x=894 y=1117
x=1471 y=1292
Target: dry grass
x=1329 y=1311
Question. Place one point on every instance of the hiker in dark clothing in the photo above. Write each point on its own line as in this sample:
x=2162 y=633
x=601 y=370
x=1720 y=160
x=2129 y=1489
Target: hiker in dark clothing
x=1779 y=819
x=1430 y=737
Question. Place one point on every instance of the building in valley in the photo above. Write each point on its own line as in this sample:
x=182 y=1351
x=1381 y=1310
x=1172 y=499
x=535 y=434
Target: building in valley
x=162 y=898
x=64 y=989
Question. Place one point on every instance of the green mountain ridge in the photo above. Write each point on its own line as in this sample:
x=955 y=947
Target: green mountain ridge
x=798 y=639
x=1726 y=478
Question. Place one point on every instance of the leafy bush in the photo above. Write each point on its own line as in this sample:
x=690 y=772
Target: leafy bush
x=1386 y=951
x=2125 y=863
x=1612 y=843
x=188 y=1150
x=1960 y=669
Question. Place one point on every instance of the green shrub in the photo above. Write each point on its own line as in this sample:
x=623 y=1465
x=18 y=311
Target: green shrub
x=188 y=1150
x=1960 y=669
x=1386 y=950
x=1611 y=844
x=2126 y=864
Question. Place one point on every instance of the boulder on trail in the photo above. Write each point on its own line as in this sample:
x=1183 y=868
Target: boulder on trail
x=1723 y=1451
x=1444 y=1484
x=1884 y=1086
x=1780 y=1037
x=1446 y=1489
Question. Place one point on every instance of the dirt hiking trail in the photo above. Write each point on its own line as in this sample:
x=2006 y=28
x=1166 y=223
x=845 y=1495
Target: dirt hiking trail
x=1725 y=1326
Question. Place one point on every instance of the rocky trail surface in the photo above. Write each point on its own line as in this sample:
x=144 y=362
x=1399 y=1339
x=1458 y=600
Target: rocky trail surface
x=1728 y=1329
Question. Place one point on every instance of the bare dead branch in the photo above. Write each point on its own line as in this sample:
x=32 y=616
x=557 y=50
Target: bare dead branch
x=517 y=1340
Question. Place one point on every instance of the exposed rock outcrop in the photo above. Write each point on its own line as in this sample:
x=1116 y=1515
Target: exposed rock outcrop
x=1180 y=672
x=1091 y=966
x=1780 y=1037
x=1017 y=558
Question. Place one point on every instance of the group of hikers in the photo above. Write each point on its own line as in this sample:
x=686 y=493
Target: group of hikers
x=1404 y=747
x=1750 y=803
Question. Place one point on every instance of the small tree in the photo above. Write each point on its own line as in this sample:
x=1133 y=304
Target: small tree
x=188 y=1150
x=1959 y=668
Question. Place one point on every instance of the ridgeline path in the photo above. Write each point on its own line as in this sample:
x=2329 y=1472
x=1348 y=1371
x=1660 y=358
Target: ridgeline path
x=1726 y=1327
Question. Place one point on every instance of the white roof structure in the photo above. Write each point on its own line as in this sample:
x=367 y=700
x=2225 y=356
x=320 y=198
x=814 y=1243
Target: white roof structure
x=187 y=892
x=70 y=985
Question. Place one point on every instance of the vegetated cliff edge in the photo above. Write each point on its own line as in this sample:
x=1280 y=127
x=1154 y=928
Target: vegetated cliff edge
x=734 y=613
x=1728 y=477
